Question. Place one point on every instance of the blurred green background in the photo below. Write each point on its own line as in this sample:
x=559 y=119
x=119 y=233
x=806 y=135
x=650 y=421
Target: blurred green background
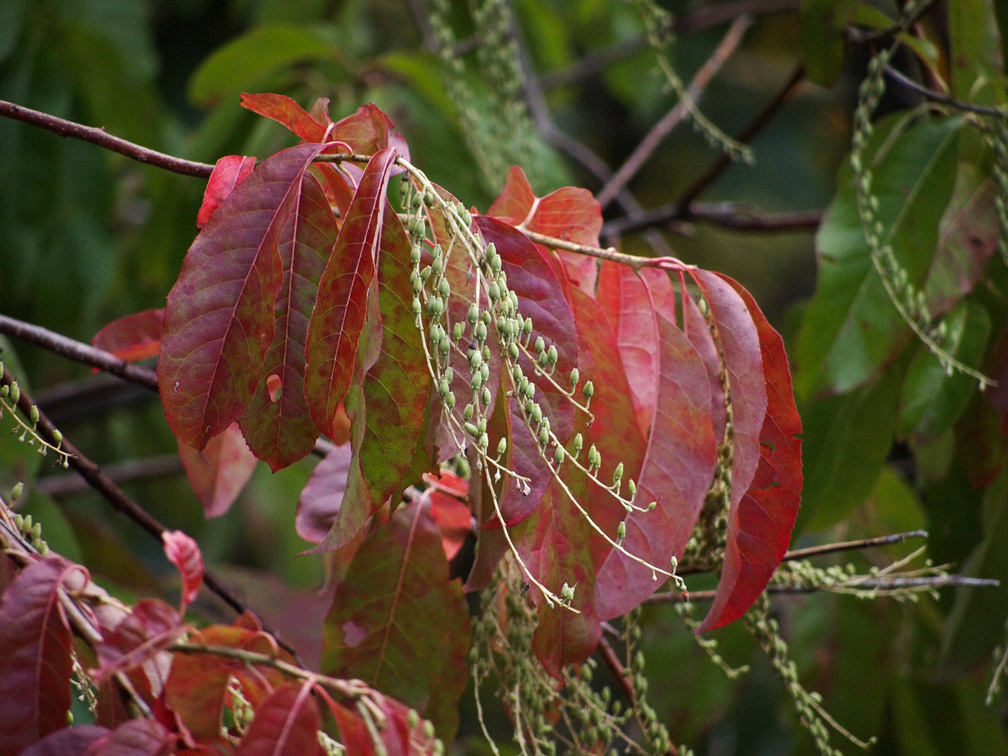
x=89 y=236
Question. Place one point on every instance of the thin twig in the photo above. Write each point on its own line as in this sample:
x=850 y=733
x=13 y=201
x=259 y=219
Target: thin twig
x=932 y=96
x=78 y=351
x=642 y=153
x=731 y=215
x=114 y=495
x=122 y=472
x=102 y=138
x=862 y=543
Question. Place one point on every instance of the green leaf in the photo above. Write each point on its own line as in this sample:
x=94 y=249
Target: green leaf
x=846 y=440
x=822 y=40
x=975 y=57
x=851 y=329
x=398 y=623
x=243 y=61
x=976 y=623
x=933 y=399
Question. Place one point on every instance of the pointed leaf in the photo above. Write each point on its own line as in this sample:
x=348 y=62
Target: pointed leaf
x=219 y=320
x=740 y=342
x=759 y=526
x=229 y=171
x=184 y=553
x=133 y=337
x=446 y=497
x=321 y=497
x=677 y=471
x=287 y=113
x=851 y=331
x=70 y=741
x=135 y=646
x=285 y=724
x=218 y=473
x=569 y=213
x=137 y=737
x=397 y=385
x=340 y=309
x=276 y=424
x=398 y=623
x=540 y=297
x=35 y=659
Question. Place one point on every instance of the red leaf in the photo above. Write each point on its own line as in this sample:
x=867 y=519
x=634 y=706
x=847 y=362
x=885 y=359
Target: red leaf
x=285 y=724
x=398 y=623
x=740 y=343
x=184 y=553
x=320 y=499
x=138 y=737
x=340 y=309
x=288 y=113
x=218 y=473
x=219 y=321
x=354 y=734
x=136 y=646
x=676 y=473
x=134 y=337
x=569 y=213
x=276 y=424
x=70 y=741
x=759 y=527
x=540 y=294
x=229 y=171
x=446 y=496
x=35 y=661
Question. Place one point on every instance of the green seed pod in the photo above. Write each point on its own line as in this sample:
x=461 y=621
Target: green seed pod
x=475 y=360
x=428 y=729
x=15 y=392
x=416 y=281
x=481 y=331
x=444 y=288
x=530 y=390
x=477 y=381
x=513 y=350
x=618 y=472
x=540 y=345
x=412 y=718
x=449 y=374
x=486 y=317
x=578 y=443
x=467 y=413
x=435 y=306
x=466 y=217
x=558 y=455
x=621 y=530
x=652 y=505
x=567 y=592
x=57 y=436
x=551 y=355
x=443 y=388
x=537 y=415
x=16 y=491
x=457 y=330
x=4 y=390
x=417 y=307
x=485 y=396
x=493 y=291
x=471 y=429
x=632 y=487
x=450 y=400
x=543 y=436
x=416 y=200
x=473 y=315
x=517 y=374
x=485 y=372
x=481 y=425
x=589 y=390
x=527 y=326
x=33 y=415
x=501 y=447
x=444 y=346
x=495 y=264
x=484 y=441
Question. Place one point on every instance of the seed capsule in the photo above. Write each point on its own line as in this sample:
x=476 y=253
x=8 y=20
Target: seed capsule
x=621 y=530
x=473 y=314
x=589 y=390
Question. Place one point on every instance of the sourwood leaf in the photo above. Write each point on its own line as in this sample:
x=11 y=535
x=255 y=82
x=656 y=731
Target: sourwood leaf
x=70 y=741
x=228 y=172
x=570 y=213
x=35 y=654
x=137 y=737
x=398 y=623
x=678 y=465
x=132 y=337
x=340 y=309
x=135 y=646
x=288 y=113
x=277 y=424
x=219 y=473
x=219 y=319
x=321 y=497
x=760 y=523
x=285 y=724
x=185 y=554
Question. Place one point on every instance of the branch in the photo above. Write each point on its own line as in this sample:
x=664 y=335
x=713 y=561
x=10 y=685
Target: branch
x=731 y=215
x=122 y=472
x=863 y=543
x=932 y=96
x=104 y=139
x=114 y=495
x=639 y=157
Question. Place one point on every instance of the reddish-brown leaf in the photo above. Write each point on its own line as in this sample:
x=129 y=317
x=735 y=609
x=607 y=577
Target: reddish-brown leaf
x=398 y=623
x=446 y=496
x=136 y=646
x=740 y=345
x=320 y=499
x=285 y=724
x=759 y=526
x=569 y=213
x=541 y=297
x=676 y=473
x=338 y=318
x=229 y=171
x=138 y=737
x=184 y=553
x=133 y=337
x=276 y=424
x=286 y=112
x=70 y=741
x=218 y=473
x=353 y=732
x=219 y=320
x=35 y=660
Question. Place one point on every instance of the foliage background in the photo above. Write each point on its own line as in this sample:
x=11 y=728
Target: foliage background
x=89 y=236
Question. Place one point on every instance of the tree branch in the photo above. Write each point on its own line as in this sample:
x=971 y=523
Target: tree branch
x=932 y=96
x=642 y=153
x=730 y=215
x=104 y=139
